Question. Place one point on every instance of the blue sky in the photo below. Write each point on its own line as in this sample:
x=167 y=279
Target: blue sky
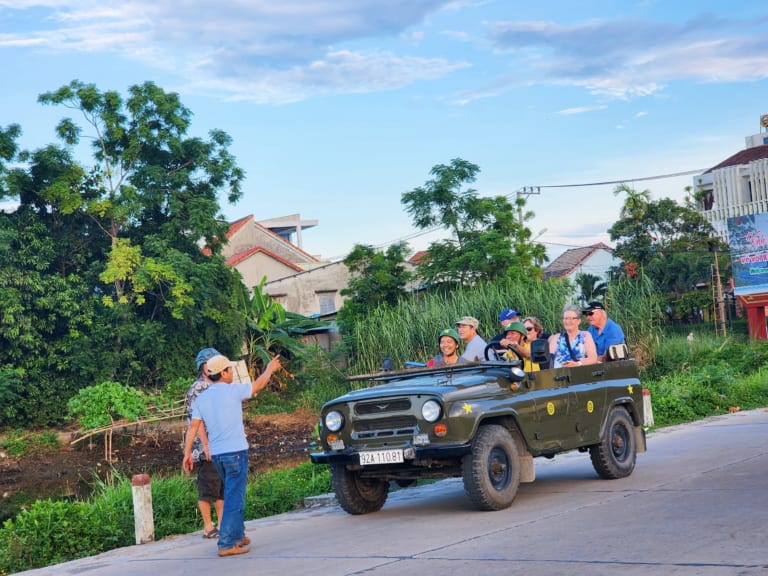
x=337 y=107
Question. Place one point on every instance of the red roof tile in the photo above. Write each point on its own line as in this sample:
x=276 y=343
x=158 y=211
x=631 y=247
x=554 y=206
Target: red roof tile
x=743 y=157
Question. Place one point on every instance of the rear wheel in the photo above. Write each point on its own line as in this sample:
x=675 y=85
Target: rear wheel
x=492 y=471
x=358 y=495
x=615 y=456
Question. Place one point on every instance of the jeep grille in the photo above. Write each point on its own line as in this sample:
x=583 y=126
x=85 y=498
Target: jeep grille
x=383 y=406
x=385 y=427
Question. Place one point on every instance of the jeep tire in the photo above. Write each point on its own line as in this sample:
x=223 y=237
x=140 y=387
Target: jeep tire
x=492 y=470
x=357 y=495
x=614 y=457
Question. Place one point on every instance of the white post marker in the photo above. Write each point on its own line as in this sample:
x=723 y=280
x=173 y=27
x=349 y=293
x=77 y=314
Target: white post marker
x=141 y=486
x=647 y=408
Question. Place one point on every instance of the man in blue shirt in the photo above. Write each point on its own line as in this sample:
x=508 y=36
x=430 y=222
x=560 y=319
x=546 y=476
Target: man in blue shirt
x=219 y=412
x=605 y=332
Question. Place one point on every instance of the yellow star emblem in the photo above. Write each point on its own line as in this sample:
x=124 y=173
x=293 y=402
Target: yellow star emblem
x=467 y=408
x=630 y=388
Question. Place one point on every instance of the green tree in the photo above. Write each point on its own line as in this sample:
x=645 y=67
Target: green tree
x=104 y=272
x=376 y=278
x=487 y=240
x=671 y=243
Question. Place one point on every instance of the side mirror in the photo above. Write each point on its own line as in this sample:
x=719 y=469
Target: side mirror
x=540 y=353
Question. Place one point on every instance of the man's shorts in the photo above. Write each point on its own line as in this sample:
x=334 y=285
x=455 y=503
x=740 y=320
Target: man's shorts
x=209 y=485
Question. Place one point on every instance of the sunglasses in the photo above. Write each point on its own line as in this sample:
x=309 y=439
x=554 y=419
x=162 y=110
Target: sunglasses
x=588 y=313
x=529 y=328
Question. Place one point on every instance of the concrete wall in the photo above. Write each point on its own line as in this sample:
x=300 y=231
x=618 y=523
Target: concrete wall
x=305 y=292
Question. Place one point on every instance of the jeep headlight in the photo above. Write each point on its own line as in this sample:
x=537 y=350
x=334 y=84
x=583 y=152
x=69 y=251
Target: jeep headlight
x=431 y=411
x=334 y=420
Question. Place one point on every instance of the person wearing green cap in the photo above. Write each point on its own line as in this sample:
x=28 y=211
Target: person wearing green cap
x=448 y=340
x=515 y=339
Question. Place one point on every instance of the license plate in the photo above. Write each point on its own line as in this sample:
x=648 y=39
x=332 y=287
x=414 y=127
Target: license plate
x=381 y=457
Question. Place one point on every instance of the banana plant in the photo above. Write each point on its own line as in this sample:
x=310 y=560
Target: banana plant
x=271 y=330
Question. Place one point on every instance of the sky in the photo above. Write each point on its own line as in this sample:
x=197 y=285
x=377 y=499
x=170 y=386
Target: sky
x=338 y=107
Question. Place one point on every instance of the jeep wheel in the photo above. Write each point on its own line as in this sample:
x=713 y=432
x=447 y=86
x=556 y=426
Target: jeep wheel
x=615 y=455
x=358 y=495
x=492 y=470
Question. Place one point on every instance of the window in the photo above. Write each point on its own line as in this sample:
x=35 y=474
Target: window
x=327 y=301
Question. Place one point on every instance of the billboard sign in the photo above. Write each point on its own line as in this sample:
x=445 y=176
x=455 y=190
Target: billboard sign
x=748 y=238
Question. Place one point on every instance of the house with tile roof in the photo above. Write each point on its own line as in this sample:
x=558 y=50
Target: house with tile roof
x=738 y=186
x=597 y=259
x=299 y=281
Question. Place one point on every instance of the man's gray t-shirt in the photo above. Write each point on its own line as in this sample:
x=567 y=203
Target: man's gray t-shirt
x=475 y=350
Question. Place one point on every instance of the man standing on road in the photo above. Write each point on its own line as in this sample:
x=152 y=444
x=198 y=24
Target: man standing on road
x=210 y=489
x=220 y=408
x=605 y=332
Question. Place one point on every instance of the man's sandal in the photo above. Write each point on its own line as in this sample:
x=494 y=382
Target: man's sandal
x=212 y=533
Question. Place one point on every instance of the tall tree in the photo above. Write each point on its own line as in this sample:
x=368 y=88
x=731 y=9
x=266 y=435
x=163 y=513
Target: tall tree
x=487 y=240
x=670 y=243
x=122 y=289
x=376 y=278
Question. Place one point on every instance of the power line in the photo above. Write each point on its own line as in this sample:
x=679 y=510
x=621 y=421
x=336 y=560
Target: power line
x=642 y=179
x=530 y=190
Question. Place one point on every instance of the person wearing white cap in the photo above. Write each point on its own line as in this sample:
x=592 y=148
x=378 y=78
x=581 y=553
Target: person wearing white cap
x=220 y=408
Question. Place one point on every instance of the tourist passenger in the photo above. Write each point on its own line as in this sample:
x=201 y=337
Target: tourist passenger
x=448 y=340
x=475 y=345
x=572 y=347
x=506 y=316
x=605 y=332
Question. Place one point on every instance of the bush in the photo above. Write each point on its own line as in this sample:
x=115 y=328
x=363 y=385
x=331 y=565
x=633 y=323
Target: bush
x=97 y=406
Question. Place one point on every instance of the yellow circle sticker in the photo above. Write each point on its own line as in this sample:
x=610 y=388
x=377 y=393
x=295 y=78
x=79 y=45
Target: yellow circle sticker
x=590 y=406
x=550 y=408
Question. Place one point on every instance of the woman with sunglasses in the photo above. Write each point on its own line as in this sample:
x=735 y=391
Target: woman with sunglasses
x=572 y=347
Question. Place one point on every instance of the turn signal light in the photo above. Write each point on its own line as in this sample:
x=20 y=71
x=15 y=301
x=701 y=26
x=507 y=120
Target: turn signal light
x=440 y=430
x=331 y=438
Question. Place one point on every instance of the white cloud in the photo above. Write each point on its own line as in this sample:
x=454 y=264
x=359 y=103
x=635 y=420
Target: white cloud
x=287 y=49
x=625 y=58
x=581 y=110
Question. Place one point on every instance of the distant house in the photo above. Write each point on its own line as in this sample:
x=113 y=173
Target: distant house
x=597 y=259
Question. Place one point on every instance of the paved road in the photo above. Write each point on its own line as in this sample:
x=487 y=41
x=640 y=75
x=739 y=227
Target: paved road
x=697 y=503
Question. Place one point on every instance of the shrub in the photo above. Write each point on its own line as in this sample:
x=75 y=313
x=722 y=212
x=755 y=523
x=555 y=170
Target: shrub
x=101 y=405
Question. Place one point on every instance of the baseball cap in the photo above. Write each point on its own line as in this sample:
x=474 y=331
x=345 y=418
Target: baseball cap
x=204 y=355
x=507 y=314
x=469 y=321
x=593 y=306
x=217 y=364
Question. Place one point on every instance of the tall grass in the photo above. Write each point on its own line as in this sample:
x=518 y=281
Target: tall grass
x=408 y=331
x=706 y=377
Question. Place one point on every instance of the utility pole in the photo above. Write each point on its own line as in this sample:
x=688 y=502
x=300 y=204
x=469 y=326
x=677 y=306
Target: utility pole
x=525 y=191
x=720 y=302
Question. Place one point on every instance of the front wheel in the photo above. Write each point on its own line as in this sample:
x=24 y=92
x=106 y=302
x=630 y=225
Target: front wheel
x=492 y=471
x=615 y=456
x=357 y=495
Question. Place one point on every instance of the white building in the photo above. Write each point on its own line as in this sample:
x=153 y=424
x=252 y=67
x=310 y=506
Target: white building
x=736 y=186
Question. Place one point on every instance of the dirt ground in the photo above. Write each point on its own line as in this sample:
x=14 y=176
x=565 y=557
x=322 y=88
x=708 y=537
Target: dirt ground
x=276 y=440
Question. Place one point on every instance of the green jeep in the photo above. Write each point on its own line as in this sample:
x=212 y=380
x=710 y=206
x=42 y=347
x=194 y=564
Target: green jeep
x=483 y=422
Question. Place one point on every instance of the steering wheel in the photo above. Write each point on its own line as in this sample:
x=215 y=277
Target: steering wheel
x=500 y=351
